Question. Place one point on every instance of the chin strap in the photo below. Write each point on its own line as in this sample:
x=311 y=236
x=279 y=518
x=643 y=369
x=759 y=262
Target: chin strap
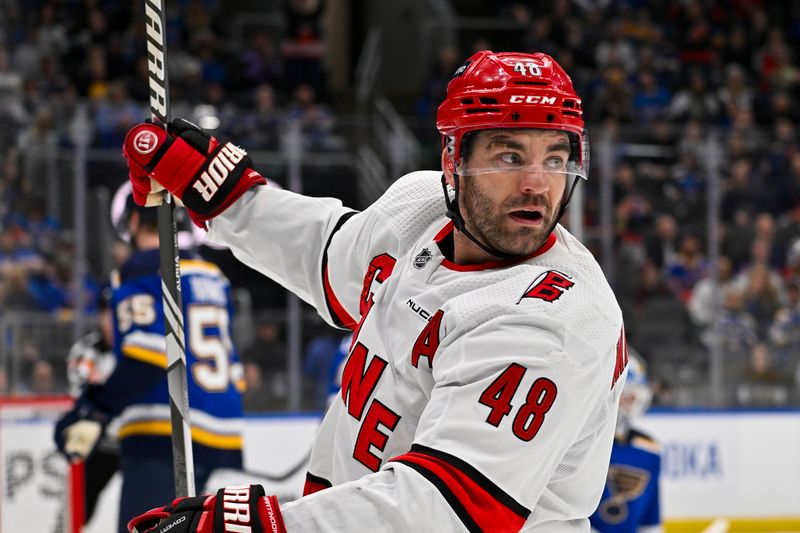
x=454 y=214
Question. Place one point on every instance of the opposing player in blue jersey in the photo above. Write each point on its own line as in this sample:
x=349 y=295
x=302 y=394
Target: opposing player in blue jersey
x=135 y=394
x=630 y=502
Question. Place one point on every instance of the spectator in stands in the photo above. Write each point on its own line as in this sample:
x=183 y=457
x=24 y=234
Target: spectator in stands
x=315 y=120
x=268 y=351
x=435 y=87
x=613 y=97
x=762 y=295
x=792 y=271
x=114 y=114
x=760 y=274
x=662 y=244
x=14 y=290
x=762 y=385
x=260 y=61
x=258 y=397
x=733 y=332
x=708 y=295
x=788 y=187
x=696 y=34
x=92 y=78
x=696 y=101
x=261 y=128
x=616 y=51
x=657 y=318
x=689 y=266
x=740 y=192
x=303 y=47
x=650 y=98
x=736 y=94
x=43 y=381
x=784 y=331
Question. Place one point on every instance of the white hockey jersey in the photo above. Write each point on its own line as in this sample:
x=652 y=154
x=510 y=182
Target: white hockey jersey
x=477 y=398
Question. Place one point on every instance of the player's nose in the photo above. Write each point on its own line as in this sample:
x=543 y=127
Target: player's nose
x=533 y=180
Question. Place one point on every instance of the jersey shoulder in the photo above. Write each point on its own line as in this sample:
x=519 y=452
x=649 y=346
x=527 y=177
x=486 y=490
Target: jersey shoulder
x=560 y=297
x=411 y=204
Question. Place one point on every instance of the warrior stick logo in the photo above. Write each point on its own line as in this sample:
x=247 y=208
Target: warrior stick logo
x=155 y=58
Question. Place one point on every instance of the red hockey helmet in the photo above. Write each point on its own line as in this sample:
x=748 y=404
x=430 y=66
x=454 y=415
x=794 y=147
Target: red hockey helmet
x=512 y=90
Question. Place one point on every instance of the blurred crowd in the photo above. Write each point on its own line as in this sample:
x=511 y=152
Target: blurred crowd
x=657 y=78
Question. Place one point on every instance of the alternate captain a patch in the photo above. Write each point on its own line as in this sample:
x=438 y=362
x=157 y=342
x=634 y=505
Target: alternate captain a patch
x=548 y=286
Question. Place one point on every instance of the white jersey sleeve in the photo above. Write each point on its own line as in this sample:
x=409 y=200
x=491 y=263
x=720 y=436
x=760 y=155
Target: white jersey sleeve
x=321 y=250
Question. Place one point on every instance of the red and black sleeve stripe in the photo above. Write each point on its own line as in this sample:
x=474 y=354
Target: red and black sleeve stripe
x=315 y=484
x=479 y=504
x=337 y=311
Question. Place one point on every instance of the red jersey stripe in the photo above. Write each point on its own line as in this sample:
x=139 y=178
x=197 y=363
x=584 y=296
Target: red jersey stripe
x=481 y=505
x=314 y=484
x=335 y=305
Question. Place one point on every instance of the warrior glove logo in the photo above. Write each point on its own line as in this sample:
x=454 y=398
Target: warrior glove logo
x=145 y=142
x=548 y=286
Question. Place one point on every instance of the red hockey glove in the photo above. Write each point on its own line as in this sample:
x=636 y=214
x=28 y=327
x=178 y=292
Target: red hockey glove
x=208 y=176
x=241 y=508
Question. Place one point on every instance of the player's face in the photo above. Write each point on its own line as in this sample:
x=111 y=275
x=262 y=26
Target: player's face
x=513 y=202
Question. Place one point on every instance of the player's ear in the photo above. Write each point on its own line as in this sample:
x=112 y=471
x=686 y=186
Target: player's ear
x=448 y=166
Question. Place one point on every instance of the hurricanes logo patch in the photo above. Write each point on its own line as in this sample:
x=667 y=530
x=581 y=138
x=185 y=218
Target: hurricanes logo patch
x=145 y=142
x=422 y=258
x=548 y=286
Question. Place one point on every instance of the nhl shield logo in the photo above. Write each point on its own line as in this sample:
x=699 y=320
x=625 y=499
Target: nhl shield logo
x=422 y=258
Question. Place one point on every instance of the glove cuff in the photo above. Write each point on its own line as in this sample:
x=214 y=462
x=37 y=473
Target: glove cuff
x=270 y=514
x=246 y=508
x=249 y=179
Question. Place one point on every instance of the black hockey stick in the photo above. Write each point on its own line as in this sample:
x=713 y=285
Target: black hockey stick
x=170 y=265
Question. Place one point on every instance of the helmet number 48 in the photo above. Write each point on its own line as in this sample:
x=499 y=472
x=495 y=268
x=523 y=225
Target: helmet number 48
x=527 y=69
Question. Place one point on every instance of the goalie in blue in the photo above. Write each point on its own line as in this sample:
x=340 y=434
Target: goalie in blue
x=630 y=501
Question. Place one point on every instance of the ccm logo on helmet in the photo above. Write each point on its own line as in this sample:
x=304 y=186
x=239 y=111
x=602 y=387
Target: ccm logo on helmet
x=532 y=99
x=210 y=180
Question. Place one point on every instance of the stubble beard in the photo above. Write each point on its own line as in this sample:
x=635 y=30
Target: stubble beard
x=489 y=223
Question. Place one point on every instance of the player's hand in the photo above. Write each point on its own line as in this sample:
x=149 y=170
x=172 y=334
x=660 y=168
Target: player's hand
x=207 y=175
x=237 y=508
x=78 y=430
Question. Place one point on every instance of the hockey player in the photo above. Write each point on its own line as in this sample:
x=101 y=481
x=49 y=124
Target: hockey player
x=136 y=392
x=481 y=388
x=630 y=502
x=89 y=363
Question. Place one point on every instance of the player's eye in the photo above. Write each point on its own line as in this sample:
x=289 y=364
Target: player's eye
x=510 y=159
x=555 y=163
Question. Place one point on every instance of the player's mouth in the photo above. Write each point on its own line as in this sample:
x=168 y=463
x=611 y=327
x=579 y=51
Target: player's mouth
x=528 y=217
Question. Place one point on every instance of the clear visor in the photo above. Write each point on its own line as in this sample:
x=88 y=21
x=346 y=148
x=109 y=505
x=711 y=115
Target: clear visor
x=504 y=154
